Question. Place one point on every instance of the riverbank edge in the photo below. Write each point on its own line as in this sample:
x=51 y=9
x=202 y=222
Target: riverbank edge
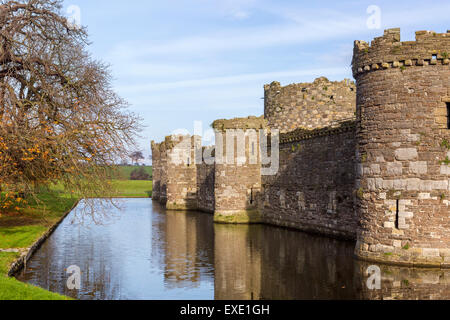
x=18 y=265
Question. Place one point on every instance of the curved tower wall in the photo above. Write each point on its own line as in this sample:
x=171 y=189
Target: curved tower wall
x=309 y=105
x=403 y=96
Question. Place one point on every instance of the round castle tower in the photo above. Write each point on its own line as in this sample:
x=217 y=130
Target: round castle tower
x=403 y=106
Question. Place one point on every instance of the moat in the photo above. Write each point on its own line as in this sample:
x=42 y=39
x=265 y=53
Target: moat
x=141 y=251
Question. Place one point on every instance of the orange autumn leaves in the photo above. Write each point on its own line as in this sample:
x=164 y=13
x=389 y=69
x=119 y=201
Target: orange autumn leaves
x=60 y=121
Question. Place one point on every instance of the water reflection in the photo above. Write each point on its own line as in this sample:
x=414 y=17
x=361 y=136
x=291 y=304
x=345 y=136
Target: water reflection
x=143 y=252
x=262 y=262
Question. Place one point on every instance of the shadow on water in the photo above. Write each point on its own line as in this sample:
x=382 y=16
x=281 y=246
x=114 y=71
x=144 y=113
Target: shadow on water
x=146 y=252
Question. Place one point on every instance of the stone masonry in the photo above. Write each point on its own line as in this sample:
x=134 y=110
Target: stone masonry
x=403 y=148
x=314 y=188
x=368 y=161
x=309 y=105
x=237 y=176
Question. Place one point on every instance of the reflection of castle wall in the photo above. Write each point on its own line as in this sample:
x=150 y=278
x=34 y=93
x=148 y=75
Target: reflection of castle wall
x=261 y=262
x=401 y=283
x=188 y=247
x=237 y=262
x=299 y=266
x=181 y=247
x=314 y=188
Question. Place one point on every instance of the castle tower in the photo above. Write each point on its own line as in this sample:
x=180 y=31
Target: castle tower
x=403 y=105
x=181 y=172
x=159 y=163
x=156 y=168
x=175 y=172
x=237 y=170
x=309 y=105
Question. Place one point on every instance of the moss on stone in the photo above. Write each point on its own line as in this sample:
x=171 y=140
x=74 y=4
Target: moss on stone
x=238 y=217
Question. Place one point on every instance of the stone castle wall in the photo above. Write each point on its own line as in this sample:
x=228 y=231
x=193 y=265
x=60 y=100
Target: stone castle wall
x=237 y=176
x=205 y=186
x=159 y=162
x=175 y=172
x=370 y=161
x=309 y=105
x=156 y=164
x=314 y=188
x=403 y=148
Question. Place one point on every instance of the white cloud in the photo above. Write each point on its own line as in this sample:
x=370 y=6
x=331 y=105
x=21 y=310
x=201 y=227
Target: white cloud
x=235 y=79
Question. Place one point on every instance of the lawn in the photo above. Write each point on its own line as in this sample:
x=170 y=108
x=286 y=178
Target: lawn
x=20 y=231
x=133 y=189
x=11 y=289
x=124 y=172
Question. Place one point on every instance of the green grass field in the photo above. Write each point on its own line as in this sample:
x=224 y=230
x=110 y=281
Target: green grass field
x=19 y=231
x=125 y=171
x=133 y=189
x=11 y=289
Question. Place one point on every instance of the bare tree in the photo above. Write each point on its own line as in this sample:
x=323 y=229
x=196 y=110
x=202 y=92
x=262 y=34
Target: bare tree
x=60 y=121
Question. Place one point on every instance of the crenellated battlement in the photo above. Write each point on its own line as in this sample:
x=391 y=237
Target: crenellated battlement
x=251 y=122
x=309 y=105
x=388 y=51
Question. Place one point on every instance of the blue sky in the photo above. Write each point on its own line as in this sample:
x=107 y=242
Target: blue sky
x=180 y=61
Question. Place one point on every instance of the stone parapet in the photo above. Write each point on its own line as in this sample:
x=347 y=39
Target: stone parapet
x=309 y=105
x=251 y=122
x=386 y=52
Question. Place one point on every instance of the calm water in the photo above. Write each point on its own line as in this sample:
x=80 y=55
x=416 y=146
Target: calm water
x=140 y=251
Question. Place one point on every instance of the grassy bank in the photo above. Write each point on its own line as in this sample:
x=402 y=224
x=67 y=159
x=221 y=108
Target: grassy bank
x=20 y=231
x=124 y=172
x=133 y=189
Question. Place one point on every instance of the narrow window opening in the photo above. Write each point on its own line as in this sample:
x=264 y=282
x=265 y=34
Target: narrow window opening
x=251 y=196
x=397 y=212
x=188 y=162
x=448 y=115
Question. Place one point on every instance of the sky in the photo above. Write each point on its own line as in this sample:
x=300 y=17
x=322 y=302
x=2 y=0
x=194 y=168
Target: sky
x=181 y=61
